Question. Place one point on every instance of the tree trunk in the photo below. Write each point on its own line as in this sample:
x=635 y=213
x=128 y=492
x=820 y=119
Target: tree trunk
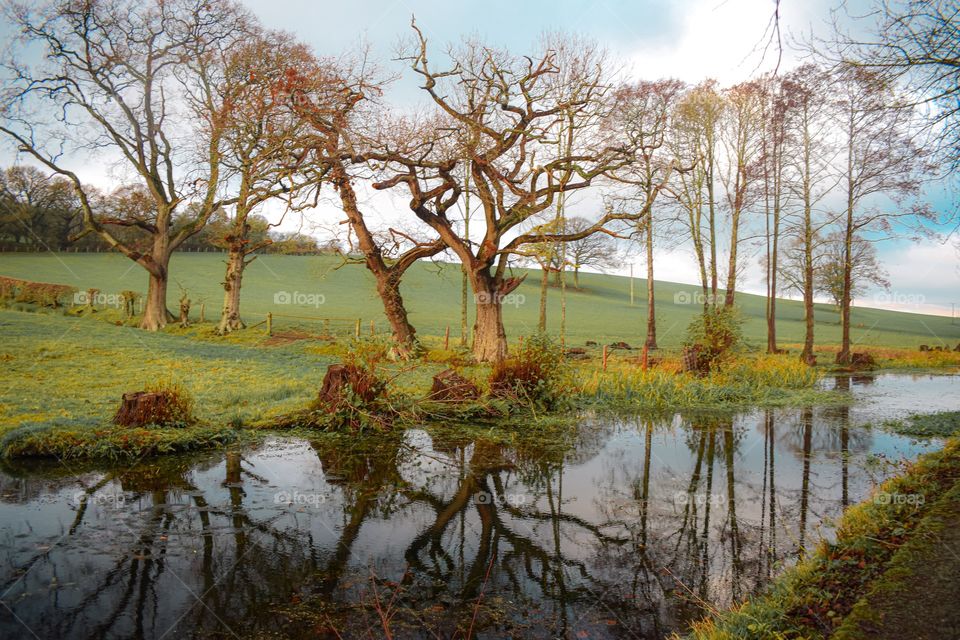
x=544 y=285
x=489 y=336
x=155 y=312
x=807 y=354
x=230 y=316
x=731 y=291
x=772 y=317
x=403 y=333
x=651 y=342
x=576 y=278
x=844 y=356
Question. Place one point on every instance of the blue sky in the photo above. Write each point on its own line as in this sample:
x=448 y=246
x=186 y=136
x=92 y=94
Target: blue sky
x=691 y=40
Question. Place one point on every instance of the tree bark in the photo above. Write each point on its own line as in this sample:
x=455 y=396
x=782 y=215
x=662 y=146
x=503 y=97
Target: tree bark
x=489 y=335
x=403 y=334
x=651 y=342
x=544 y=285
x=230 y=316
x=155 y=312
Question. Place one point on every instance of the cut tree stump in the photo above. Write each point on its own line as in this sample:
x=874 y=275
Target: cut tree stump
x=862 y=360
x=140 y=408
x=340 y=377
x=450 y=386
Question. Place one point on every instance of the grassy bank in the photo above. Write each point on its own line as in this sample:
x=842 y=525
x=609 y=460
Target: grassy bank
x=63 y=378
x=836 y=591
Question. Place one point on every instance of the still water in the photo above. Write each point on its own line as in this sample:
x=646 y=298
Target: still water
x=632 y=530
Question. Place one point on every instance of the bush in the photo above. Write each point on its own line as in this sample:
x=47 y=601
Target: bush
x=718 y=331
x=534 y=374
x=44 y=294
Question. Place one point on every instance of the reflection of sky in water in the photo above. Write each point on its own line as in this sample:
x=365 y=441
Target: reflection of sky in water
x=727 y=501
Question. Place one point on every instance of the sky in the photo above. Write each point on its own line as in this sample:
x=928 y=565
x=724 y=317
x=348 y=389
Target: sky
x=691 y=40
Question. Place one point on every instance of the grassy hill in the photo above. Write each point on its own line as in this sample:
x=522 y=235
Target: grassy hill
x=601 y=311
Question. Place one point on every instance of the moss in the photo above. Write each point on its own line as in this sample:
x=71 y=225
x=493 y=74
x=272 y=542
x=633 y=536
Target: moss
x=928 y=425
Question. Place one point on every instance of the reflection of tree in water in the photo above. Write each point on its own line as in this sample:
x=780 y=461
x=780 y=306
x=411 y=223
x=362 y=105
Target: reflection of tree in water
x=484 y=543
x=240 y=557
x=633 y=555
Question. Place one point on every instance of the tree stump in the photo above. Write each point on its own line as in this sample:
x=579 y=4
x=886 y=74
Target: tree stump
x=862 y=361
x=141 y=408
x=694 y=360
x=184 y=313
x=341 y=377
x=620 y=345
x=924 y=347
x=450 y=386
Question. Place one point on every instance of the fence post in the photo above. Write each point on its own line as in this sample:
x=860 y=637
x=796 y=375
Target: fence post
x=373 y=329
x=446 y=339
x=269 y=324
x=646 y=351
x=604 y=357
x=356 y=331
x=326 y=326
x=203 y=306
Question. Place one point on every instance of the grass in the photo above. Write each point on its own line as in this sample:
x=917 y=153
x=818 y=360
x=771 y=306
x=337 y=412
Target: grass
x=63 y=378
x=813 y=599
x=928 y=425
x=601 y=311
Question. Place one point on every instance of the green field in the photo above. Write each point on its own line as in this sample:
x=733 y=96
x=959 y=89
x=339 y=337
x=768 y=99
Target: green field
x=601 y=311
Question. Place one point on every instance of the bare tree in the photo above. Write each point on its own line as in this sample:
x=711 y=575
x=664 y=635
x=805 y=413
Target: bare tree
x=881 y=159
x=694 y=142
x=918 y=42
x=522 y=154
x=865 y=268
x=597 y=251
x=645 y=108
x=136 y=79
x=741 y=138
x=348 y=140
x=261 y=149
x=810 y=153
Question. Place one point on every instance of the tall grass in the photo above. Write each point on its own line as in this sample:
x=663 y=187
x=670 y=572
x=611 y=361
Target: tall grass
x=747 y=379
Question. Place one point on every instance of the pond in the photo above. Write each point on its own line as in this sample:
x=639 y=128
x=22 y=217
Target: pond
x=632 y=530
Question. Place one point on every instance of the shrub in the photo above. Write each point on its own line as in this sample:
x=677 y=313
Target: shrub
x=44 y=294
x=718 y=331
x=534 y=374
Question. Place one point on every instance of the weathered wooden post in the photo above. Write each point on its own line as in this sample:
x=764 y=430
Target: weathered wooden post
x=646 y=350
x=269 y=324
x=203 y=307
x=605 y=347
x=446 y=339
x=373 y=329
x=326 y=326
x=356 y=330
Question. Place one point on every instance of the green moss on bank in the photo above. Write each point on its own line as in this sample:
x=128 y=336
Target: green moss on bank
x=812 y=599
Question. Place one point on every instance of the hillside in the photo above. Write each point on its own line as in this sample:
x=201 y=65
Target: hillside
x=601 y=311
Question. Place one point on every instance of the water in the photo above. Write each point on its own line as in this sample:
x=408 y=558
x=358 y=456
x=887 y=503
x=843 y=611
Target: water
x=631 y=531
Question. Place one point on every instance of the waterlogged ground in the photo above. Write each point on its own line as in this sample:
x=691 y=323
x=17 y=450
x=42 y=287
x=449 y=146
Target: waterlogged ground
x=632 y=531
